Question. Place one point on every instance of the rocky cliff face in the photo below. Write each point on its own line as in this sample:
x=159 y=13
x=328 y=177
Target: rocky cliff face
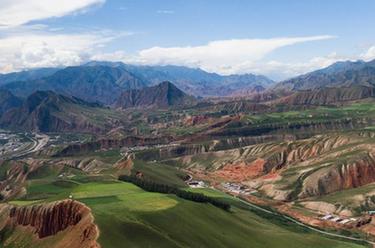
x=52 y=219
x=351 y=174
x=296 y=169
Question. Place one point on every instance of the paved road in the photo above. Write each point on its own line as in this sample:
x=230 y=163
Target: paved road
x=298 y=222
x=38 y=142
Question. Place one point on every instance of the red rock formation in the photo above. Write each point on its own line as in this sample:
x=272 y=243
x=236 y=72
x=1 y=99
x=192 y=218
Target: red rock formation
x=339 y=177
x=47 y=220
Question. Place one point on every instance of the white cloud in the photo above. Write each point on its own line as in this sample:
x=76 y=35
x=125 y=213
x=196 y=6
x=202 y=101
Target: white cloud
x=19 y=12
x=165 y=11
x=223 y=56
x=369 y=54
x=45 y=50
x=282 y=70
x=114 y=56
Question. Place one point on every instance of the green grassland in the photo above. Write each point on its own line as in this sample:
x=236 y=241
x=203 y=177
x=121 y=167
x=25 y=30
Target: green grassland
x=98 y=116
x=274 y=119
x=128 y=216
x=318 y=114
x=159 y=172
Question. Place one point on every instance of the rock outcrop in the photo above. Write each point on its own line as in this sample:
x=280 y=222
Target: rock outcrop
x=351 y=174
x=72 y=221
x=304 y=168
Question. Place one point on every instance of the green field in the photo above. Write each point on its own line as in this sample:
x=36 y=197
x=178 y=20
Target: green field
x=127 y=216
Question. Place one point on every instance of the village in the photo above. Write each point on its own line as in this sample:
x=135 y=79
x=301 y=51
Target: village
x=237 y=188
x=240 y=189
x=9 y=143
x=230 y=187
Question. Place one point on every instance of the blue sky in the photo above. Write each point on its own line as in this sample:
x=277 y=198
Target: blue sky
x=277 y=38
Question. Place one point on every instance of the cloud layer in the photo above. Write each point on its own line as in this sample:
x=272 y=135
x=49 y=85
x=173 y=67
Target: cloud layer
x=236 y=56
x=18 y=12
x=24 y=46
x=223 y=56
x=24 y=51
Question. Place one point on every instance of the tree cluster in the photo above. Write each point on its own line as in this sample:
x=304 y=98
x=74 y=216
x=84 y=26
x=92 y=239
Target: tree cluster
x=167 y=189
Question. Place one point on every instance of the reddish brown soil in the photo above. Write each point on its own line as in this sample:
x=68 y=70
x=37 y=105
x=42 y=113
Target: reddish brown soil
x=241 y=171
x=271 y=176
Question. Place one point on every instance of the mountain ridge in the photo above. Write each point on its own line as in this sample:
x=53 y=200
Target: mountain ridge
x=104 y=81
x=344 y=73
x=47 y=111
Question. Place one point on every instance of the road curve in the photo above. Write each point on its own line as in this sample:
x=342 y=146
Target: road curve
x=38 y=142
x=298 y=222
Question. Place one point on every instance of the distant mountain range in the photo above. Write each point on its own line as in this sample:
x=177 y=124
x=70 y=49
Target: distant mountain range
x=90 y=83
x=122 y=85
x=105 y=81
x=27 y=75
x=339 y=74
x=163 y=95
x=198 y=82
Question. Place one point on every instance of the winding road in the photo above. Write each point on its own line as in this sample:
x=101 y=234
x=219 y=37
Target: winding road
x=298 y=222
x=38 y=142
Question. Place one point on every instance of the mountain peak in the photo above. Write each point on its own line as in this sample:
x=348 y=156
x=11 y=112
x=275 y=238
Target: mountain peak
x=163 y=95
